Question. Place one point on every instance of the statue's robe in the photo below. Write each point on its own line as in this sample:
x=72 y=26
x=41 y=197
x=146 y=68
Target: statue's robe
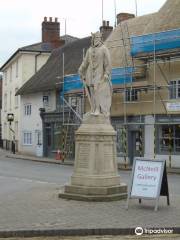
x=96 y=70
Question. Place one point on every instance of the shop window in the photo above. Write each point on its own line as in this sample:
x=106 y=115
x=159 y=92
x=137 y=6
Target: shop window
x=58 y=136
x=120 y=140
x=169 y=140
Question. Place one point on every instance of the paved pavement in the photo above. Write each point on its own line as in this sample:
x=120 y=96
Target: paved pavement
x=38 y=207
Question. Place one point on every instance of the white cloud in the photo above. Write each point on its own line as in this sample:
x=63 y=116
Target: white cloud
x=20 y=20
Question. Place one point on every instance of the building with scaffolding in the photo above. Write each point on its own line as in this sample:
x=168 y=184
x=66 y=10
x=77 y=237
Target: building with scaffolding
x=146 y=88
x=148 y=106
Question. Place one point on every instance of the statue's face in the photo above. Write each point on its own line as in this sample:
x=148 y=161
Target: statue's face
x=97 y=40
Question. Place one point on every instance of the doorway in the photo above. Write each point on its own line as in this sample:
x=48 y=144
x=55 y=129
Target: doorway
x=48 y=139
x=135 y=145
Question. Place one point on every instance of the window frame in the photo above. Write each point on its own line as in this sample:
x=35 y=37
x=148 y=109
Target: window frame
x=174 y=90
x=46 y=102
x=174 y=140
x=27 y=138
x=131 y=95
x=27 y=109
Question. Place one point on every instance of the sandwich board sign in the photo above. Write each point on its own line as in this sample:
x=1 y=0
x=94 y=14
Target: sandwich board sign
x=148 y=180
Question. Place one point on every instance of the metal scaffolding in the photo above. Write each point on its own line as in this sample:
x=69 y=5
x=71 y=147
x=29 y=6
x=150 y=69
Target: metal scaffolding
x=153 y=59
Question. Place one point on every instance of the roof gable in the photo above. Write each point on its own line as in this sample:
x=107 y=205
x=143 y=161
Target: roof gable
x=52 y=71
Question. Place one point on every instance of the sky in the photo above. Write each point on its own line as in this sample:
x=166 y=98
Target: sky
x=20 y=20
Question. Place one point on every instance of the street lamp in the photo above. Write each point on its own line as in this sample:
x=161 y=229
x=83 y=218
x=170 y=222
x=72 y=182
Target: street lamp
x=10 y=119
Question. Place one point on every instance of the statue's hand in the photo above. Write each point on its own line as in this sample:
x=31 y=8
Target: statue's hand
x=106 y=77
x=81 y=74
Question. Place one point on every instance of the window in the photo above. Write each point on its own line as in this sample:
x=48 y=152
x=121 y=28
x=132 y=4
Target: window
x=73 y=101
x=45 y=101
x=131 y=95
x=58 y=136
x=27 y=138
x=169 y=140
x=76 y=103
x=27 y=109
x=175 y=89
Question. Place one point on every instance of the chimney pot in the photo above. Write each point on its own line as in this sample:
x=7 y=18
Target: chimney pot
x=51 y=30
x=105 y=29
x=124 y=16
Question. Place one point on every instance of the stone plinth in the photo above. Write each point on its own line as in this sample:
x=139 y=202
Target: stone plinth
x=95 y=176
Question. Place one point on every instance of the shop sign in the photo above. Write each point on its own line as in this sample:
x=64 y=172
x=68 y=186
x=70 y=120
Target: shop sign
x=173 y=107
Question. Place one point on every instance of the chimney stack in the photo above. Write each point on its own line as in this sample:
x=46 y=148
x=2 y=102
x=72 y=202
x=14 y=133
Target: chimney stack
x=51 y=32
x=105 y=29
x=124 y=16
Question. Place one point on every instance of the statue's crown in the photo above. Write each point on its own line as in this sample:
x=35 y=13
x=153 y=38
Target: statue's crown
x=96 y=35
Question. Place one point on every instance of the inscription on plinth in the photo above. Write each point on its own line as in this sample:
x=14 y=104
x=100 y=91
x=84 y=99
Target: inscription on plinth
x=83 y=155
x=108 y=158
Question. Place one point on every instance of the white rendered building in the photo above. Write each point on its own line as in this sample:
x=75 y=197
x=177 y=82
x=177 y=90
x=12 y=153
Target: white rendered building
x=20 y=67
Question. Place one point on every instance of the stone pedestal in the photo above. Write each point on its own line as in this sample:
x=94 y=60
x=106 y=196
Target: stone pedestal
x=95 y=176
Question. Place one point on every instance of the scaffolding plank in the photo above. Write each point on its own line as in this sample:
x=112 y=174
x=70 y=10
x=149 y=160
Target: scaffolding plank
x=158 y=42
x=118 y=76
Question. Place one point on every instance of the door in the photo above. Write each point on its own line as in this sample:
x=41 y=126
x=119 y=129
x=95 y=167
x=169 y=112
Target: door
x=135 y=145
x=48 y=139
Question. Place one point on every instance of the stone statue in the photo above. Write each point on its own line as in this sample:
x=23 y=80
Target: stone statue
x=95 y=176
x=95 y=72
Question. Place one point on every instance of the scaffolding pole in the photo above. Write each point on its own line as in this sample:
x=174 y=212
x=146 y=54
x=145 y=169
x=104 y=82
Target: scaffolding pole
x=63 y=85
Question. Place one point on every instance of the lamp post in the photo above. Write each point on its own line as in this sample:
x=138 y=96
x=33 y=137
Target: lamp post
x=10 y=119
